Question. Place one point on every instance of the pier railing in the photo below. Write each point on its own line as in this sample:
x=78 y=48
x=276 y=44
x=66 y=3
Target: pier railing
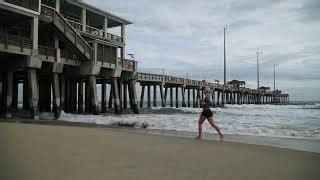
x=46 y=51
x=25 y=43
x=149 y=77
x=95 y=31
x=15 y=40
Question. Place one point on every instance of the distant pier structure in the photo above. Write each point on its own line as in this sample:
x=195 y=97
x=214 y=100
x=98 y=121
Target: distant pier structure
x=54 y=53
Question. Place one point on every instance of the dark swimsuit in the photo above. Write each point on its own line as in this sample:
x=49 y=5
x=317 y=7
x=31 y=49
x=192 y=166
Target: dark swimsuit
x=206 y=107
x=207 y=113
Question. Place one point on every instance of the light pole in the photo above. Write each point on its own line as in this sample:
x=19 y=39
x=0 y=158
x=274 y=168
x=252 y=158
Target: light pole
x=274 y=78
x=225 y=65
x=258 y=70
x=224 y=52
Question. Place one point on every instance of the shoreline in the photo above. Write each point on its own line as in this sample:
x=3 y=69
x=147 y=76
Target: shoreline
x=300 y=144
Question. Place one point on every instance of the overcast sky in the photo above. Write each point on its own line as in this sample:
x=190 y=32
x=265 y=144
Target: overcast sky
x=187 y=36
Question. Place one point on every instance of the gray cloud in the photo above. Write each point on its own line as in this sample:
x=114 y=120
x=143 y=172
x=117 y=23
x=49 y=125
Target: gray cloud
x=310 y=11
x=187 y=36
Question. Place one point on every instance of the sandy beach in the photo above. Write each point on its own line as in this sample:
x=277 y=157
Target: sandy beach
x=37 y=152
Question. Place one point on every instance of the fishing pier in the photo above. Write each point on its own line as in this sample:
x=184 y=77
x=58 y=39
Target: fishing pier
x=54 y=53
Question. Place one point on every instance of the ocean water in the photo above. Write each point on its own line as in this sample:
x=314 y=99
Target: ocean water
x=300 y=120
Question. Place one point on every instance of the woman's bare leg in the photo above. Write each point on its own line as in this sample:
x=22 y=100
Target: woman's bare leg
x=200 y=122
x=213 y=124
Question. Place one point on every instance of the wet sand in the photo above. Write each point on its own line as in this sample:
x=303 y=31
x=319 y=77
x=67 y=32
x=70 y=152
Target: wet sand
x=30 y=151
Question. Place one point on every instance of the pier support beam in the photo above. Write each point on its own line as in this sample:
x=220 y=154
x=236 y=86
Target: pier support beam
x=15 y=92
x=56 y=95
x=213 y=95
x=189 y=104
x=228 y=97
x=163 y=103
x=177 y=97
x=142 y=95
x=80 y=97
x=125 y=96
x=93 y=95
x=87 y=99
x=269 y=99
x=73 y=96
x=149 y=96
x=68 y=97
x=120 y=95
x=223 y=98
x=116 y=99
x=103 y=97
x=218 y=98
x=231 y=98
x=33 y=93
x=110 y=97
x=8 y=87
x=171 y=97
x=133 y=96
x=252 y=99
x=62 y=92
x=183 y=97
x=45 y=94
x=165 y=96
x=1 y=96
x=194 y=98
x=128 y=89
x=198 y=98
x=25 y=94
x=155 y=95
x=202 y=94
x=247 y=98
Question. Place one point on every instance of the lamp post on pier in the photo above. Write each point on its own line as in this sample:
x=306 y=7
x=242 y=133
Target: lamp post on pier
x=258 y=70
x=274 y=77
x=224 y=55
x=225 y=65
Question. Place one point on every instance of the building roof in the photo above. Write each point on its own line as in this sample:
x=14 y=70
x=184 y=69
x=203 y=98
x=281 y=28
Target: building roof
x=237 y=82
x=264 y=88
x=99 y=11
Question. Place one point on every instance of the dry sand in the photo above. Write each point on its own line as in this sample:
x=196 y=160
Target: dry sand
x=41 y=152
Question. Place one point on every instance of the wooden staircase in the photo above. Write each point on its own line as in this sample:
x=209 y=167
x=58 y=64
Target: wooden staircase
x=49 y=14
